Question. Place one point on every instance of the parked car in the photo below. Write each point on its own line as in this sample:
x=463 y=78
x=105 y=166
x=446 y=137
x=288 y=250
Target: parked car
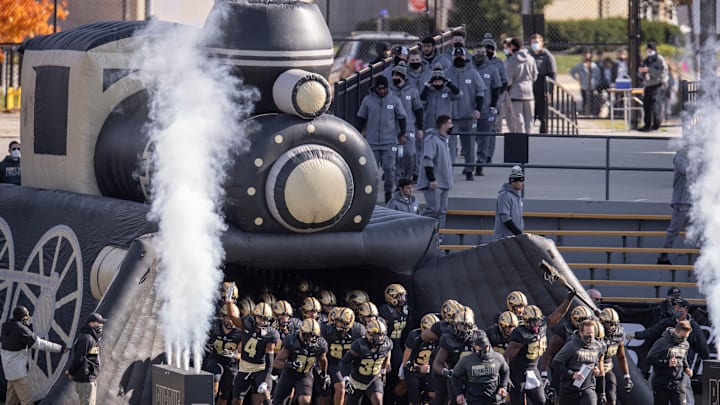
x=358 y=50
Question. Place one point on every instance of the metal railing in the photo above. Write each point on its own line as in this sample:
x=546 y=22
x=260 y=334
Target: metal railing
x=561 y=109
x=689 y=93
x=521 y=141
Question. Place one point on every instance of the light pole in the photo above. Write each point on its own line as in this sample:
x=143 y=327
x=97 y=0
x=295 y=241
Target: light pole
x=55 y=16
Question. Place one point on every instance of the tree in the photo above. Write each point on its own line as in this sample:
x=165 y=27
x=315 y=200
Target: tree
x=498 y=17
x=22 y=19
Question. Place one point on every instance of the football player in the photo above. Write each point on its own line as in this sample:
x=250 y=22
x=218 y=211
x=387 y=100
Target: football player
x=327 y=303
x=301 y=350
x=516 y=302
x=615 y=347
x=310 y=308
x=355 y=298
x=365 y=365
x=454 y=345
x=395 y=314
x=367 y=312
x=499 y=334
x=257 y=352
x=285 y=324
x=222 y=355
x=340 y=334
x=527 y=344
x=416 y=369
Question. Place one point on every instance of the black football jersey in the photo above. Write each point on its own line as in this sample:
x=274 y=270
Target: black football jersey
x=455 y=347
x=564 y=329
x=395 y=320
x=427 y=351
x=254 y=342
x=224 y=345
x=304 y=355
x=612 y=343
x=292 y=326
x=440 y=327
x=339 y=343
x=370 y=359
x=534 y=345
x=497 y=340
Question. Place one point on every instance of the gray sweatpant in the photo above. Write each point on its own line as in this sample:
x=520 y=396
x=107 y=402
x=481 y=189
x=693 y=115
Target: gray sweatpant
x=436 y=204
x=678 y=222
x=386 y=161
x=523 y=113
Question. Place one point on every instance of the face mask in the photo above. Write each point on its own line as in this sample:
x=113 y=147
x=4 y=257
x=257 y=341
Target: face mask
x=587 y=339
x=535 y=46
x=458 y=45
x=650 y=53
x=678 y=314
x=396 y=60
x=415 y=65
x=483 y=354
x=459 y=63
x=506 y=52
x=490 y=54
x=98 y=329
x=397 y=82
x=479 y=59
x=15 y=154
x=677 y=339
x=438 y=86
x=26 y=321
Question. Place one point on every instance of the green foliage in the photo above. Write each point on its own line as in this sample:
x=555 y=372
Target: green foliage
x=609 y=30
x=498 y=17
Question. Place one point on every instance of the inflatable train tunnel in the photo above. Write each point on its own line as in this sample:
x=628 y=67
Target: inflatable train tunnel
x=300 y=202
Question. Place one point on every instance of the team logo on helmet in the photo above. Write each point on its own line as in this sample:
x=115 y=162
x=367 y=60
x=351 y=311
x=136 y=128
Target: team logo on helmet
x=376 y=332
x=246 y=306
x=310 y=305
x=326 y=297
x=507 y=322
x=355 y=298
x=310 y=331
x=428 y=320
x=516 y=301
x=533 y=318
x=263 y=314
x=610 y=320
x=448 y=310
x=579 y=314
x=344 y=319
x=367 y=309
x=464 y=323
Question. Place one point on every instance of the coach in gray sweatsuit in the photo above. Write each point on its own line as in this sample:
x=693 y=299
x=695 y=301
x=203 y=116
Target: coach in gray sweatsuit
x=509 y=209
x=436 y=178
x=466 y=109
x=384 y=115
x=521 y=75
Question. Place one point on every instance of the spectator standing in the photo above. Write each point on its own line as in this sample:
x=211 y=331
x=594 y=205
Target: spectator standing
x=621 y=70
x=436 y=178
x=431 y=56
x=85 y=361
x=382 y=51
x=384 y=114
x=588 y=75
x=400 y=55
x=681 y=202
x=509 y=207
x=403 y=199
x=547 y=68
x=10 y=166
x=417 y=72
x=466 y=109
x=17 y=338
x=664 y=309
x=458 y=41
x=522 y=73
x=653 y=72
x=437 y=97
x=410 y=99
x=491 y=77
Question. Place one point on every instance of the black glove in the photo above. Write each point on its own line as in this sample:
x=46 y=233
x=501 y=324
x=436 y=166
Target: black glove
x=602 y=399
x=409 y=365
x=447 y=372
x=349 y=387
x=296 y=364
x=63 y=348
x=628 y=384
x=571 y=294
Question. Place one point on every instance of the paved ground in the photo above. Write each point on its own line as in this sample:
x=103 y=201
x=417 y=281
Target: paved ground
x=547 y=183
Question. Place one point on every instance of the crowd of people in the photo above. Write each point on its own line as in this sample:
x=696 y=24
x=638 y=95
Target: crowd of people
x=313 y=349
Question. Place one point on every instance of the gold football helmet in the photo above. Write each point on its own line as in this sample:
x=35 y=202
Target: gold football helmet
x=516 y=301
x=310 y=305
x=226 y=285
x=610 y=320
x=464 y=323
x=448 y=310
x=344 y=319
x=268 y=298
x=246 y=306
x=533 y=317
x=507 y=322
x=326 y=297
x=579 y=314
x=309 y=331
x=263 y=314
x=428 y=320
x=395 y=294
x=355 y=298
x=376 y=332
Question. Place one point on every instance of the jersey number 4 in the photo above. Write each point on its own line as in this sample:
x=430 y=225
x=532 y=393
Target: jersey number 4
x=250 y=347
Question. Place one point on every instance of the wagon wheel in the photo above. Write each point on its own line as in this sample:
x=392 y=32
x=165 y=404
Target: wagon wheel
x=51 y=283
x=7 y=258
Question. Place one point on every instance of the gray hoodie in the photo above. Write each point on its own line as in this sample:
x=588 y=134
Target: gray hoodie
x=658 y=74
x=681 y=193
x=436 y=154
x=438 y=102
x=382 y=115
x=471 y=85
x=509 y=206
x=521 y=74
x=399 y=202
x=410 y=99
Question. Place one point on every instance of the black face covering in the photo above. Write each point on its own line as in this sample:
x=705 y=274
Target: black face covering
x=396 y=60
x=26 y=321
x=490 y=54
x=587 y=339
x=459 y=62
x=480 y=59
x=438 y=86
x=415 y=65
x=458 y=45
x=677 y=339
x=484 y=353
x=98 y=329
x=397 y=82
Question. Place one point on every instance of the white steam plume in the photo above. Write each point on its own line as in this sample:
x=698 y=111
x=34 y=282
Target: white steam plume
x=703 y=145
x=196 y=112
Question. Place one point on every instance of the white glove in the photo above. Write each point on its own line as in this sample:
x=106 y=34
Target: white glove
x=263 y=387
